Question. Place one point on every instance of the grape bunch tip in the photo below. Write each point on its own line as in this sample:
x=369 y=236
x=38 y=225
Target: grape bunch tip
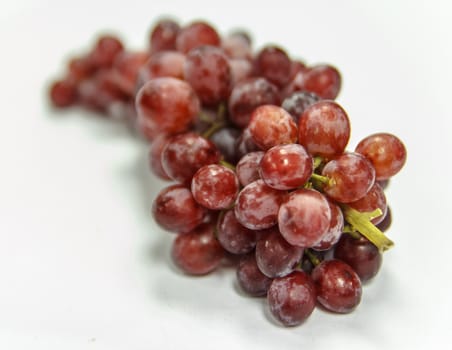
x=255 y=148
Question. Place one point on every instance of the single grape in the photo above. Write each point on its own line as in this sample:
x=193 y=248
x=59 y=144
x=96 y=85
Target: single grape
x=233 y=236
x=215 y=187
x=273 y=64
x=250 y=278
x=226 y=139
x=163 y=35
x=338 y=286
x=274 y=256
x=292 y=298
x=334 y=232
x=324 y=129
x=162 y=64
x=286 y=167
x=185 y=153
x=105 y=51
x=197 y=252
x=298 y=102
x=257 y=205
x=81 y=68
x=63 y=93
x=296 y=67
x=126 y=67
x=323 y=80
x=167 y=105
x=386 y=152
x=360 y=254
x=247 y=168
x=241 y=70
x=237 y=46
x=270 y=126
x=350 y=175
x=196 y=34
x=304 y=217
x=249 y=94
x=155 y=156
x=175 y=209
x=245 y=144
x=207 y=70
x=374 y=199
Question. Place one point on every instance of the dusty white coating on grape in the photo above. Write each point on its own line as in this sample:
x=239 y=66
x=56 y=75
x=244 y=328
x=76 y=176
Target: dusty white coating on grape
x=304 y=217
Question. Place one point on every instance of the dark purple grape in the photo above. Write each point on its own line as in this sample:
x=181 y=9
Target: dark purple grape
x=298 y=102
x=226 y=140
x=360 y=254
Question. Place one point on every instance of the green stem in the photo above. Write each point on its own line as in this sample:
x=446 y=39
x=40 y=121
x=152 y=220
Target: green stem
x=213 y=129
x=361 y=223
x=348 y=229
x=317 y=162
x=320 y=179
x=227 y=164
x=312 y=258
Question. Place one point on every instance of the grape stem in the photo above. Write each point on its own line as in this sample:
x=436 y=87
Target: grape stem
x=319 y=178
x=317 y=162
x=348 y=229
x=213 y=129
x=227 y=164
x=361 y=222
x=312 y=258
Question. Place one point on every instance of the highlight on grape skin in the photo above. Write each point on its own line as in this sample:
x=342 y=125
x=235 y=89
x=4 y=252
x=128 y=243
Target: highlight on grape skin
x=255 y=151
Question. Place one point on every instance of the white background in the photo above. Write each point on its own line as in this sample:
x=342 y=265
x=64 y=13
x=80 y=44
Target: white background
x=83 y=266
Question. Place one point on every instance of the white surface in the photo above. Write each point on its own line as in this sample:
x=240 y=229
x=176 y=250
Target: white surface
x=82 y=265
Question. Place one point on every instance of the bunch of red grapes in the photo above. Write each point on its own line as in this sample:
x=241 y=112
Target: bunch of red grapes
x=255 y=146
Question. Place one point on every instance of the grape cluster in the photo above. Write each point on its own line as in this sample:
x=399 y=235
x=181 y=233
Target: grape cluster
x=255 y=147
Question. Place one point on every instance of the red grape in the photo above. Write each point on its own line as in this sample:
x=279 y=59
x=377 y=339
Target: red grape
x=167 y=105
x=163 y=64
x=247 y=168
x=385 y=224
x=250 y=278
x=323 y=80
x=274 y=256
x=215 y=186
x=163 y=36
x=332 y=236
x=63 y=93
x=155 y=156
x=249 y=94
x=273 y=64
x=324 y=129
x=257 y=205
x=233 y=236
x=176 y=210
x=185 y=153
x=237 y=46
x=351 y=177
x=338 y=286
x=207 y=70
x=196 y=34
x=105 y=51
x=270 y=126
x=292 y=298
x=197 y=252
x=81 y=68
x=304 y=217
x=386 y=152
x=285 y=167
x=126 y=67
x=241 y=69
x=360 y=254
